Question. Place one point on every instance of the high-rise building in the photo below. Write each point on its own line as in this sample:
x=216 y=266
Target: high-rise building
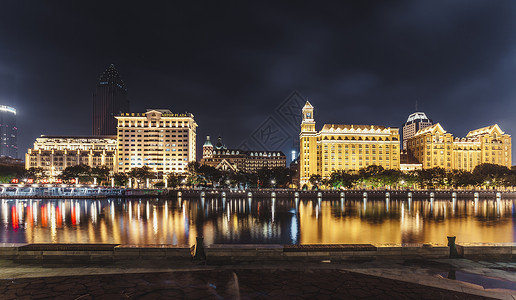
x=56 y=153
x=109 y=100
x=8 y=132
x=415 y=122
x=159 y=139
x=344 y=147
x=434 y=147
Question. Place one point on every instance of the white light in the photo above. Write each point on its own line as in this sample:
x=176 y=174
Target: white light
x=8 y=109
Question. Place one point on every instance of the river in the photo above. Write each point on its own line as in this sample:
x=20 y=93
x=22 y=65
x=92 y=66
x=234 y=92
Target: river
x=253 y=221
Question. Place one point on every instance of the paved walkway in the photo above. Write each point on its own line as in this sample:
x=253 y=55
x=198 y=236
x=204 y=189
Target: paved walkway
x=392 y=279
x=225 y=284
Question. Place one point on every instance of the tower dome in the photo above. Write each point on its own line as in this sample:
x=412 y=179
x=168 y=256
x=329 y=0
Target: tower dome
x=207 y=143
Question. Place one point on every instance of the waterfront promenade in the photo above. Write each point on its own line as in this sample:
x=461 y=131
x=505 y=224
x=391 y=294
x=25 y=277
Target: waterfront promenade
x=157 y=279
x=95 y=192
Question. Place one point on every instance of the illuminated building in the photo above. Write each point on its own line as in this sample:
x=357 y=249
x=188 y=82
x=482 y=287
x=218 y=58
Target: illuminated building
x=8 y=132
x=408 y=162
x=222 y=158
x=207 y=148
x=344 y=147
x=109 y=100
x=415 y=122
x=55 y=153
x=434 y=147
x=159 y=139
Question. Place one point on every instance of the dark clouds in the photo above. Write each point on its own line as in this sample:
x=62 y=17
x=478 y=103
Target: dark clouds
x=231 y=64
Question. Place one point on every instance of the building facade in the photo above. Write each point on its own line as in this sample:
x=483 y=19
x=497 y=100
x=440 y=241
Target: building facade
x=55 y=153
x=434 y=147
x=8 y=132
x=415 y=122
x=344 y=147
x=109 y=100
x=159 y=139
x=237 y=160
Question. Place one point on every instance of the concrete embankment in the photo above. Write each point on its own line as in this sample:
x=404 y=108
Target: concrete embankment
x=247 y=252
x=344 y=194
x=101 y=193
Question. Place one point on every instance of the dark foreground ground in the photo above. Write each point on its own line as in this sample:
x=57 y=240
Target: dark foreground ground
x=224 y=284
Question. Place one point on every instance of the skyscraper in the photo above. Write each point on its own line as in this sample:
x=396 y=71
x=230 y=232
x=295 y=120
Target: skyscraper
x=415 y=122
x=109 y=100
x=8 y=132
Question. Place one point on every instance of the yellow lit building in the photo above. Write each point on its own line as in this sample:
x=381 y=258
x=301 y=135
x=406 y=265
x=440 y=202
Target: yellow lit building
x=344 y=147
x=159 y=139
x=434 y=147
x=55 y=153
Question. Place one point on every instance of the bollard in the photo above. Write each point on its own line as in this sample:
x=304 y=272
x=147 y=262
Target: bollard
x=453 y=247
x=451 y=275
x=199 y=249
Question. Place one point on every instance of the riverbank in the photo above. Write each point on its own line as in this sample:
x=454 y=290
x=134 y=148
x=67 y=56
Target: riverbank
x=278 y=281
x=59 y=193
x=412 y=277
x=251 y=252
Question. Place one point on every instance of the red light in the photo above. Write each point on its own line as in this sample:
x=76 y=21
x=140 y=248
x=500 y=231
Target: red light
x=72 y=181
x=59 y=180
x=14 y=216
x=15 y=180
x=30 y=181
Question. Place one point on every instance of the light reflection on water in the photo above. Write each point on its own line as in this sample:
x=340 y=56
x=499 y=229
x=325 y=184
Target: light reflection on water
x=278 y=221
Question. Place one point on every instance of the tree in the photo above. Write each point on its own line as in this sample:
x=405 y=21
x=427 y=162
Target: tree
x=409 y=179
x=8 y=172
x=461 y=178
x=34 y=173
x=391 y=178
x=342 y=179
x=83 y=172
x=141 y=174
x=491 y=174
x=120 y=179
x=101 y=173
x=209 y=175
x=315 y=180
x=175 y=179
x=432 y=178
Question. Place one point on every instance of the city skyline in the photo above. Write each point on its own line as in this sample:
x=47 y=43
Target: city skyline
x=358 y=63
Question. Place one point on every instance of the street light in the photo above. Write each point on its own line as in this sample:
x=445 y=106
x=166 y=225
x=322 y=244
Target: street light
x=273 y=182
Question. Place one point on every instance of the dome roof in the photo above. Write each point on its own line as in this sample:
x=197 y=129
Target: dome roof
x=219 y=144
x=208 y=142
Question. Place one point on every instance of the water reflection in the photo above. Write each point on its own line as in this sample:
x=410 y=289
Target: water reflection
x=292 y=221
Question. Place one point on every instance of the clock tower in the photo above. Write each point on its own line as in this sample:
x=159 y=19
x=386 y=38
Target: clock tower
x=308 y=145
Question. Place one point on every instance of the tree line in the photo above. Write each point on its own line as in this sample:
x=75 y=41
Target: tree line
x=196 y=175
x=484 y=175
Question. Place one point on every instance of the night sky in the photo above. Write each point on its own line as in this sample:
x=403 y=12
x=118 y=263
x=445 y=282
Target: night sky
x=233 y=64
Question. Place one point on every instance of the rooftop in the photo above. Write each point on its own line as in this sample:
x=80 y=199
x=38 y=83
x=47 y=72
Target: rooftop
x=431 y=129
x=77 y=137
x=418 y=116
x=8 y=109
x=355 y=128
x=485 y=130
x=207 y=143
